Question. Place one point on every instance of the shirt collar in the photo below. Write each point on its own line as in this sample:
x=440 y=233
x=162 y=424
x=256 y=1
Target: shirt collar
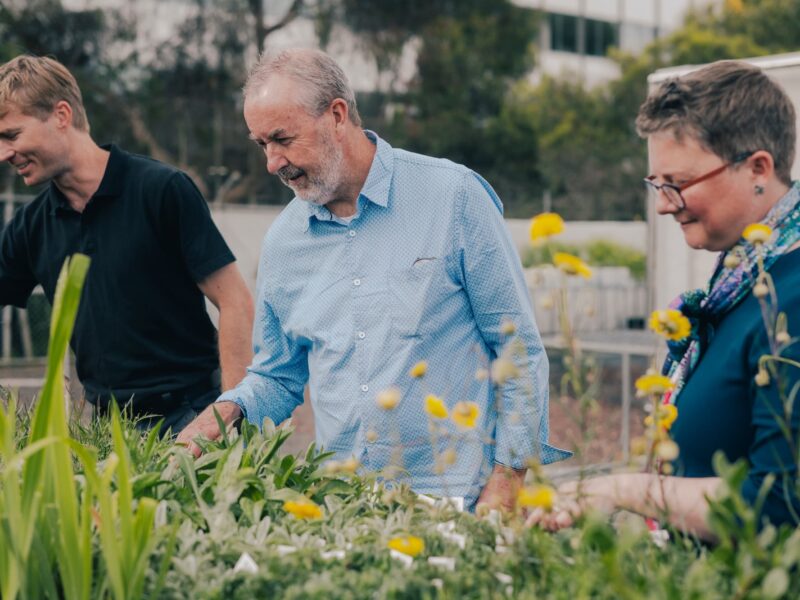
x=376 y=187
x=110 y=186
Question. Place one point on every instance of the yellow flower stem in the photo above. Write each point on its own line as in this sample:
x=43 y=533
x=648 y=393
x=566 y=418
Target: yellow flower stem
x=651 y=452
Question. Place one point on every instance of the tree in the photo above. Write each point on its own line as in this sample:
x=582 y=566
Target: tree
x=179 y=104
x=469 y=54
x=591 y=157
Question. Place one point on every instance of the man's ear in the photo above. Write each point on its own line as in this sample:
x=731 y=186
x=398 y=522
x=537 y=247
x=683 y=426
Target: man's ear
x=340 y=112
x=62 y=112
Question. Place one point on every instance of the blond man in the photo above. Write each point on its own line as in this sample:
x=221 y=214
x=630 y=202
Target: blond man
x=142 y=336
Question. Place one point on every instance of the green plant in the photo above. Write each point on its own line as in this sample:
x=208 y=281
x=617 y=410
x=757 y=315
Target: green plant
x=599 y=253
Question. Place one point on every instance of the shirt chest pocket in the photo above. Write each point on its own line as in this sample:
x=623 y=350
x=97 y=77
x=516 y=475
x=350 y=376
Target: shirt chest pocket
x=417 y=297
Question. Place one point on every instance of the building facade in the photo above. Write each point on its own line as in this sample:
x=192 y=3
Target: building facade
x=576 y=35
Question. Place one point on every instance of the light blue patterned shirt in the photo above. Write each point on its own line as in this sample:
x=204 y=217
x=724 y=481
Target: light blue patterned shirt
x=425 y=271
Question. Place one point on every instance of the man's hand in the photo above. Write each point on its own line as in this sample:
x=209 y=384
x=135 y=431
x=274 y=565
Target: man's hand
x=206 y=426
x=502 y=487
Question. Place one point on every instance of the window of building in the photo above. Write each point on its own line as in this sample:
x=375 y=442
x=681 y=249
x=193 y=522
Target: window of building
x=569 y=33
x=563 y=32
x=600 y=36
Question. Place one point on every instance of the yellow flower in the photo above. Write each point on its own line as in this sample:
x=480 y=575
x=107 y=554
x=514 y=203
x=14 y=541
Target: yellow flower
x=303 y=509
x=449 y=456
x=408 y=544
x=465 y=414
x=734 y=6
x=537 y=496
x=762 y=377
x=670 y=323
x=435 y=407
x=544 y=226
x=388 y=398
x=571 y=265
x=653 y=384
x=666 y=414
x=419 y=369
x=757 y=233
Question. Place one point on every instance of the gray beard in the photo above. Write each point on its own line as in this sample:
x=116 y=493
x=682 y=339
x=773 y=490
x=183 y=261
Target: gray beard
x=322 y=187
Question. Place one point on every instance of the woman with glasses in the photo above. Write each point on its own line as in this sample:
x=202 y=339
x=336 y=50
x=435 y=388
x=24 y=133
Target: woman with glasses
x=721 y=144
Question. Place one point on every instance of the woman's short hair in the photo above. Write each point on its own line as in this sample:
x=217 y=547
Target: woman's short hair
x=317 y=72
x=36 y=84
x=730 y=107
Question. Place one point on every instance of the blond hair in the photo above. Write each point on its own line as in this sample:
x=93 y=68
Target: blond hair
x=36 y=84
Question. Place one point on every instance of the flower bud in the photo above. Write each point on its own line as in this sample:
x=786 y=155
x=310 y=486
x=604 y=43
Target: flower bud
x=388 y=398
x=731 y=261
x=667 y=450
x=762 y=378
x=783 y=337
x=760 y=290
x=508 y=328
x=546 y=303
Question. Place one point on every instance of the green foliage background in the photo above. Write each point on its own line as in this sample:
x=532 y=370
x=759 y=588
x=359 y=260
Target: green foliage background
x=470 y=101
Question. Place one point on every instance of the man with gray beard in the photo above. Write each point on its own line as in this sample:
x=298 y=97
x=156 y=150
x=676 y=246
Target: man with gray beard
x=386 y=285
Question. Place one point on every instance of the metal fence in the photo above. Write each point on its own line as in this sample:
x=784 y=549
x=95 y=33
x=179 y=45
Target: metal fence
x=23 y=332
x=612 y=300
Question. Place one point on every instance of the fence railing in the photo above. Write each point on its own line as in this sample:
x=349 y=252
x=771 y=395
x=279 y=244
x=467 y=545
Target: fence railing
x=611 y=300
x=22 y=335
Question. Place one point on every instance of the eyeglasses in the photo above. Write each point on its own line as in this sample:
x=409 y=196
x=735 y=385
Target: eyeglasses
x=672 y=192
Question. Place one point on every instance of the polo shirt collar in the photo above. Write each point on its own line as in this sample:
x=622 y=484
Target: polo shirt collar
x=376 y=187
x=110 y=185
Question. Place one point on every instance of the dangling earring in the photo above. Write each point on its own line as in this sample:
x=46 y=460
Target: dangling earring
x=759 y=190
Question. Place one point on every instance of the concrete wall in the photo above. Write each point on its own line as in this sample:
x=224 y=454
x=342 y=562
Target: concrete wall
x=244 y=227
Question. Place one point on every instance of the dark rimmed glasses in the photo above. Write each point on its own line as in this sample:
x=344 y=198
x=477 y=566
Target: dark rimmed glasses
x=672 y=192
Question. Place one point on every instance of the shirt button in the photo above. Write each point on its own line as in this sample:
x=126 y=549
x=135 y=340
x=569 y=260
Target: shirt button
x=365 y=388
x=356 y=282
x=361 y=335
x=352 y=233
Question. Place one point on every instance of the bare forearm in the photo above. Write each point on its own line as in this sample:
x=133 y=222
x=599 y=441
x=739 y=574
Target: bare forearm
x=235 y=353
x=680 y=501
x=226 y=289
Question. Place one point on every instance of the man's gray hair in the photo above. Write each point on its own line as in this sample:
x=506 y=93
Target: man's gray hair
x=317 y=72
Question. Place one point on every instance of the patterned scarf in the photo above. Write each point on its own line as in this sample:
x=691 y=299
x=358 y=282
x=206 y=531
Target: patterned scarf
x=727 y=287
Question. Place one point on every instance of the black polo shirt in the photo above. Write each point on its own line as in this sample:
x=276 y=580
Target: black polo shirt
x=142 y=325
